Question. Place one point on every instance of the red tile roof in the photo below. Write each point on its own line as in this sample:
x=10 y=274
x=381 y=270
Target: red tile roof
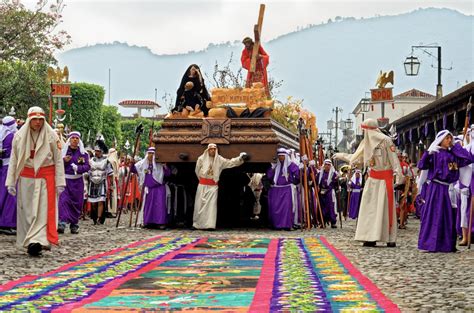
x=137 y=103
x=414 y=93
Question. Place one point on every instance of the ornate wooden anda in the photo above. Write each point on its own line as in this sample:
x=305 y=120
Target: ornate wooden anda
x=184 y=140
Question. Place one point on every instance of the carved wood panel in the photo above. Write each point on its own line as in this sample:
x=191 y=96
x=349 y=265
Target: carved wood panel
x=216 y=131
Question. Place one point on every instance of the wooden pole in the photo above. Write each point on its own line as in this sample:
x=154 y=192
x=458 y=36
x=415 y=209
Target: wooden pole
x=132 y=206
x=140 y=203
x=301 y=208
x=469 y=230
x=349 y=192
x=138 y=132
x=257 y=33
x=313 y=177
x=466 y=120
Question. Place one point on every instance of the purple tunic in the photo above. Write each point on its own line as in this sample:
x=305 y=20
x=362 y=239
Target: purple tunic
x=7 y=201
x=155 y=209
x=355 y=199
x=326 y=199
x=280 y=199
x=438 y=219
x=72 y=198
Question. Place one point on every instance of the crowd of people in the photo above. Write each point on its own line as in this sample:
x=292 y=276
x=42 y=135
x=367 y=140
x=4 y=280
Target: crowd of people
x=48 y=185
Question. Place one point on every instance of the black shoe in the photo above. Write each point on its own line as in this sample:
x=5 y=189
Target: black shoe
x=61 y=228
x=102 y=220
x=193 y=228
x=369 y=244
x=391 y=244
x=34 y=249
x=333 y=226
x=74 y=229
x=95 y=221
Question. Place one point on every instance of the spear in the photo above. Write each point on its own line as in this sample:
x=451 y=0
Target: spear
x=316 y=192
x=466 y=120
x=138 y=132
x=471 y=209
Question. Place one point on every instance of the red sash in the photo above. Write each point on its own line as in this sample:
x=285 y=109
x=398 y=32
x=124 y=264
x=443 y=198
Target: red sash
x=47 y=173
x=207 y=181
x=388 y=177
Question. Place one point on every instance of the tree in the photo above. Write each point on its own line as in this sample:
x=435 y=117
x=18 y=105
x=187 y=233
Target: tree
x=226 y=77
x=31 y=35
x=287 y=113
x=111 y=120
x=22 y=85
x=85 y=113
x=168 y=101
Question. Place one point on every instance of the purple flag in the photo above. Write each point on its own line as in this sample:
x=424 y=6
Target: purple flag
x=426 y=129
x=445 y=121
x=410 y=135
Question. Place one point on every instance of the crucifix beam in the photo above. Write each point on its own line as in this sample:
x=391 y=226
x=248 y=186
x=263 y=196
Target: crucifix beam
x=257 y=32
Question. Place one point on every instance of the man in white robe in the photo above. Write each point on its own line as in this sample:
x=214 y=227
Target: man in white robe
x=37 y=166
x=114 y=162
x=208 y=169
x=377 y=216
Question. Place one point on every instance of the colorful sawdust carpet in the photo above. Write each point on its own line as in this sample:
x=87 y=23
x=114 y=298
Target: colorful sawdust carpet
x=202 y=274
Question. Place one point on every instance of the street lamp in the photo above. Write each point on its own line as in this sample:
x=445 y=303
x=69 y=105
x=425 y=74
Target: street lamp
x=365 y=105
x=412 y=66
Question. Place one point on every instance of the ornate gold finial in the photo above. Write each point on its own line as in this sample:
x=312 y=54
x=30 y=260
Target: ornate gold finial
x=384 y=79
x=57 y=75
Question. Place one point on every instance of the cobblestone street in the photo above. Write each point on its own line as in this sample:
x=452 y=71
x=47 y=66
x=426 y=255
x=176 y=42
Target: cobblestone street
x=411 y=279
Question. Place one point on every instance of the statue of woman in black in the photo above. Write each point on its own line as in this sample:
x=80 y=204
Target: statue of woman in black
x=193 y=74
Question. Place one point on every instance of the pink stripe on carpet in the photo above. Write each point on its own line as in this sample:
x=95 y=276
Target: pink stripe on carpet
x=368 y=285
x=263 y=292
x=27 y=278
x=108 y=288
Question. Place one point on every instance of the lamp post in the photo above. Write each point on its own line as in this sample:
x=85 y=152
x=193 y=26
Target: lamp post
x=412 y=66
x=330 y=127
x=337 y=110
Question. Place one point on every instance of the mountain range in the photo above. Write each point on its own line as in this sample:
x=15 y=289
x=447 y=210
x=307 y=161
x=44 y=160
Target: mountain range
x=327 y=65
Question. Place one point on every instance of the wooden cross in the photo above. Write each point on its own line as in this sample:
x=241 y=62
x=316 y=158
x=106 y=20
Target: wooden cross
x=257 y=30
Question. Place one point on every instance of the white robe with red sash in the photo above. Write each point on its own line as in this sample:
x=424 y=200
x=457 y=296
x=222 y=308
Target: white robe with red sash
x=37 y=210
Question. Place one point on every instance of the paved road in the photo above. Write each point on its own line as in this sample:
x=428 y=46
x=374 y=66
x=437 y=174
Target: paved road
x=413 y=280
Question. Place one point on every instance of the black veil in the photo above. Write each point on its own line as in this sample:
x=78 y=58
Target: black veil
x=199 y=85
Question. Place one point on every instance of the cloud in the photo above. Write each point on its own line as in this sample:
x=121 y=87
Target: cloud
x=169 y=27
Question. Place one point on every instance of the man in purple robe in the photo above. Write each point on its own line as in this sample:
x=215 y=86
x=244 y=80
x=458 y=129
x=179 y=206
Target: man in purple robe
x=440 y=165
x=281 y=199
x=7 y=201
x=328 y=182
x=356 y=187
x=76 y=163
x=151 y=174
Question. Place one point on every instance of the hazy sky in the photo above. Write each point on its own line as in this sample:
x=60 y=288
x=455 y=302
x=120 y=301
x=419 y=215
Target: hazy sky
x=169 y=27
